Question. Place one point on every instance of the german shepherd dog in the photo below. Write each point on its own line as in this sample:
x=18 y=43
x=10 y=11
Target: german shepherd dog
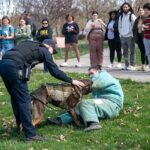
x=62 y=95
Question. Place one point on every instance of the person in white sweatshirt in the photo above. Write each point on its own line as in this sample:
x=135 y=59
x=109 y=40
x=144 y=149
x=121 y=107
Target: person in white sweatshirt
x=125 y=27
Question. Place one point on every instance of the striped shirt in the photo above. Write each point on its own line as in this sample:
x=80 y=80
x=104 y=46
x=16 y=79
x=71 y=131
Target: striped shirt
x=147 y=30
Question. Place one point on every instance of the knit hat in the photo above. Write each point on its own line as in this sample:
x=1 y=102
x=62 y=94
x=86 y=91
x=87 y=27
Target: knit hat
x=51 y=43
x=45 y=19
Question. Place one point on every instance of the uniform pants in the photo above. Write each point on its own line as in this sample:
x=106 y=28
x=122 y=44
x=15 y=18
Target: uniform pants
x=96 y=41
x=19 y=93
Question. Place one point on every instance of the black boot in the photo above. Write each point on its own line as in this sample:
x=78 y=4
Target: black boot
x=54 y=121
x=36 y=138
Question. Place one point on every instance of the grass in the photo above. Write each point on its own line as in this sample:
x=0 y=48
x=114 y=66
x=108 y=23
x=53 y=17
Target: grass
x=83 y=48
x=129 y=131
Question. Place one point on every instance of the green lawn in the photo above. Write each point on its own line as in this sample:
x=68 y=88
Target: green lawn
x=131 y=130
x=83 y=48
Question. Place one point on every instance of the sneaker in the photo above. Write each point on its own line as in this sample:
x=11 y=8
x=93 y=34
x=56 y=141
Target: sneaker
x=54 y=121
x=64 y=64
x=78 y=65
x=147 y=69
x=131 y=68
x=93 y=126
x=124 y=68
x=1 y=54
x=36 y=138
x=110 y=65
x=119 y=66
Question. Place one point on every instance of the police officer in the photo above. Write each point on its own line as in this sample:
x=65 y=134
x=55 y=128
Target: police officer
x=14 y=70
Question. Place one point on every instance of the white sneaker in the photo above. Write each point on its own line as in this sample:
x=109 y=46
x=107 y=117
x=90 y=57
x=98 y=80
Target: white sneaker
x=119 y=66
x=147 y=69
x=110 y=65
x=124 y=68
x=78 y=64
x=1 y=54
x=131 y=68
x=64 y=64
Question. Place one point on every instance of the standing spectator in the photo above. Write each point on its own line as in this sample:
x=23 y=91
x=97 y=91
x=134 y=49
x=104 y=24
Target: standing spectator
x=70 y=31
x=27 y=17
x=6 y=35
x=138 y=37
x=94 y=30
x=126 y=22
x=146 y=27
x=44 y=33
x=22 y=32
x=112 y=35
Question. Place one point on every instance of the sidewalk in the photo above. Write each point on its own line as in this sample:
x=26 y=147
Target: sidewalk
x=138 y=76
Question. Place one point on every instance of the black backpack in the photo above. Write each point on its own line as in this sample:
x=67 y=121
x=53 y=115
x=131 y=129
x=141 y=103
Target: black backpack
x=130 y=17
x=33 y=30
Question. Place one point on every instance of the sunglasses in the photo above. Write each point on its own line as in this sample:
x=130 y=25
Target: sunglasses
x=44 y=23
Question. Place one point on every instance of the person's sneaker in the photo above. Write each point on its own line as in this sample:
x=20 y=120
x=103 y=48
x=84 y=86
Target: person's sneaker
x=36 y=138
x=119 y=66
x=93 y=126
x=124 y=68
x=64 y=64
x=1 y=55
x=54 y=121
x=77 y=64
x=147 y=69
x=131 y=68
x=110 y=65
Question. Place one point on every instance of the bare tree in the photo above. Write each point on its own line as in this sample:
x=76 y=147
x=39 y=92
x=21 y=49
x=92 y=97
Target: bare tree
x=54 y=10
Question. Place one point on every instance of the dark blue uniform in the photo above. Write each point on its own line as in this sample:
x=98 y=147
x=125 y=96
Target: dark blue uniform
x=12 y=62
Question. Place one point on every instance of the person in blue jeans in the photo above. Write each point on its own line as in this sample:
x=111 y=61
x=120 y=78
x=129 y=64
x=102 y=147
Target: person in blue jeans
x=106 y=102
x=6 y=35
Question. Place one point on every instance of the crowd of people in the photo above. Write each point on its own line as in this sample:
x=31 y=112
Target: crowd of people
x=122 y=31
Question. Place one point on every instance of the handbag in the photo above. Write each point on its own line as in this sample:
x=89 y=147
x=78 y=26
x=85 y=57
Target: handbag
x=82 y=35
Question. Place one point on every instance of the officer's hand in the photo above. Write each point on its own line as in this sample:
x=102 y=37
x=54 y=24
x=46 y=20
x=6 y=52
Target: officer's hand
x=78 y=83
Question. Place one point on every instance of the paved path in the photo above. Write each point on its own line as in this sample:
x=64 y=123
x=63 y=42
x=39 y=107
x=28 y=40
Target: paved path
x=139 y=76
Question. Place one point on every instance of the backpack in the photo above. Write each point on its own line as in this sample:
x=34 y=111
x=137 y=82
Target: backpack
x=130 y=17
x=33 y=30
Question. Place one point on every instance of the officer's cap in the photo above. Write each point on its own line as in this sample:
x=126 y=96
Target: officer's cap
x=51 y=43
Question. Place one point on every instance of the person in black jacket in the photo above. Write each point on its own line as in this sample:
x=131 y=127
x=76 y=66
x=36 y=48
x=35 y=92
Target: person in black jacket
x=43 y=33
x=138 y=37
x=112 y=35
x=14 y=70
x=70 y=31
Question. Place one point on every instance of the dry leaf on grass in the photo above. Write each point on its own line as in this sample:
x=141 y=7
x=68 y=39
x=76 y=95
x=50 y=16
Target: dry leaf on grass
x=59 y=137
x=139 y=108
x=31 y=148
x=128 y=110
x=1 y=93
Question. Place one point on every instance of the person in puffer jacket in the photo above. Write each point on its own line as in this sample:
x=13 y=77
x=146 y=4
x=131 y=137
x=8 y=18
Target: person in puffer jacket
x=106 y=102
